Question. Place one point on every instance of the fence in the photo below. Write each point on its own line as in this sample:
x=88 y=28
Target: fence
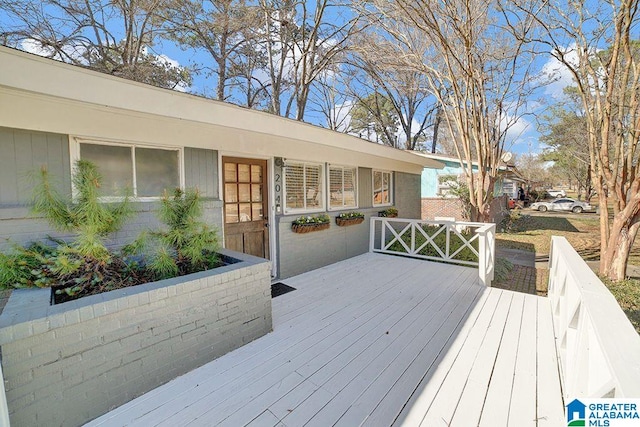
x=466 y=243
x=598 y=348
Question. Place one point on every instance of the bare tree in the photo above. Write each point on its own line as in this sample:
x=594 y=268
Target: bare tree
x=332 y=101
x=219 y=27
x=406 y=89
x=476 y=64
x=303 y=39
x=112 y=37
x=594 y=42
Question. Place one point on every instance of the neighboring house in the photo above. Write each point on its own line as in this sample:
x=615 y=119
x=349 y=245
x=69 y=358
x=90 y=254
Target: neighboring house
x=436 y=185
x=256 y=171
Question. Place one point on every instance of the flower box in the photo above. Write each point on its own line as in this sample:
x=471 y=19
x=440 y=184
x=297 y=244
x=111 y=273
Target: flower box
x=389 y=213
x=308 y=228
x=343 y=222
x=307 y=224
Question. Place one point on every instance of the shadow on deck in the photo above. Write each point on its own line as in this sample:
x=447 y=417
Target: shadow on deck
x=376 y=340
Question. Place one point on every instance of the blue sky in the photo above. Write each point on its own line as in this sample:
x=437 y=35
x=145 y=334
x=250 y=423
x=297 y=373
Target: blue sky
x=522 y=138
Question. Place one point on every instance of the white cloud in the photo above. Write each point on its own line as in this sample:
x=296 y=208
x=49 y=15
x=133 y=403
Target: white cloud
x=163 y=59
x=37 y=48
x=558 y=73
x=341 y=114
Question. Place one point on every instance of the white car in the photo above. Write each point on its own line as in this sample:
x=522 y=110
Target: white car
x=557 y=193
x=564 y=204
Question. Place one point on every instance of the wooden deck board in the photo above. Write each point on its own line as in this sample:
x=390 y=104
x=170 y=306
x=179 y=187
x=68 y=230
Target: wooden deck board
x=371 y=341
x=495 y=410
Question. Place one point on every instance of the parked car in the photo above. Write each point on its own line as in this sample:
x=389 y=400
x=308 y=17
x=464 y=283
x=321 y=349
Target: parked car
x=557 y=193
x=563 y=204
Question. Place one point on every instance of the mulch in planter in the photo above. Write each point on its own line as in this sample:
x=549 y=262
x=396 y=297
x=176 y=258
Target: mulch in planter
x=280 y=288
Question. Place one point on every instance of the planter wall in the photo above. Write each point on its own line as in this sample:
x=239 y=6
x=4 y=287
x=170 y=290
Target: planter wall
x=69 y=363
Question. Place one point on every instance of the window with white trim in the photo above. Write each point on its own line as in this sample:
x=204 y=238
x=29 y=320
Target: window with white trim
x=382 y=188
x=303 y=187
x=141 y=171
x=343 y=187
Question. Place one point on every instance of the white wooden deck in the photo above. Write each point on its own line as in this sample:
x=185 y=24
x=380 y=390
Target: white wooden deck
x=376 y=340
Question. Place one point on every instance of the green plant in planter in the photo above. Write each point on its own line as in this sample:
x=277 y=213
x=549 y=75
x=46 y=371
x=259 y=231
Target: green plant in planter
x=315 y=219
x=26 y=267
x=186 y=245
x=349 y=218
x=84 y=265
x=308 y=223
x=389 y=212
x=351 y=215
x=86 y=217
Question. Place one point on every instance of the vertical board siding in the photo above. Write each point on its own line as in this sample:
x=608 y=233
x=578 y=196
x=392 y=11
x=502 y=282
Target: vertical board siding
x=23 y=153
x=365 y=188
x=201 y=171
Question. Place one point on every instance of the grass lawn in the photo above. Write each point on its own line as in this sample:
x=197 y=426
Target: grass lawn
x=533 y=231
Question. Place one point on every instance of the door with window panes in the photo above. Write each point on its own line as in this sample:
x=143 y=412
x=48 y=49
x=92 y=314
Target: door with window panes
x=245 y=206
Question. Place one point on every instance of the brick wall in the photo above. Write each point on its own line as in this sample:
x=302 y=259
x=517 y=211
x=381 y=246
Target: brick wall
x=452 y=207
x=69 y=363
x=442 y=207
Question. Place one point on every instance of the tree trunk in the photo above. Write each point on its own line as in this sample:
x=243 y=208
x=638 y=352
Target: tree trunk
x=615 y=250
x=436 y=126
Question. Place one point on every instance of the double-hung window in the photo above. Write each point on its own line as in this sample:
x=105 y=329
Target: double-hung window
x=303 y=187
x=382 y=188
x=343 y=187
x=142 y=172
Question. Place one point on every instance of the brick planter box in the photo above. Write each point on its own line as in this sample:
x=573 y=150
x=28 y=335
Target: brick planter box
x=69 y=363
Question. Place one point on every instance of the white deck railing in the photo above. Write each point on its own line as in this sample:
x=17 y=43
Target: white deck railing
x=466 y=243
x=4 y=409
x=598 y=348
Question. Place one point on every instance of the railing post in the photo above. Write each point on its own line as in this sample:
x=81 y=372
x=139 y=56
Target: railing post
x=482 y=257
x=372 y=233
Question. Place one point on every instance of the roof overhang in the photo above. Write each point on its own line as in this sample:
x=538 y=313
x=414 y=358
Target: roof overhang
x=45 y=95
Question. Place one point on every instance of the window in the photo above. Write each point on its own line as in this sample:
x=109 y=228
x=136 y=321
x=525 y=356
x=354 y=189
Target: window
x=382 y=188
x=342 y=187
x=303 y=187
x=243 y=191
x=447 y=184
x=145 y=172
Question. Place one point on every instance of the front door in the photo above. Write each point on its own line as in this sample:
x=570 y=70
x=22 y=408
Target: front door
x=245 y=206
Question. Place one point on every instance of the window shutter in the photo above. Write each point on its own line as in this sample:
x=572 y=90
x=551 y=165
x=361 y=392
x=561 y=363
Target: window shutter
x=335 y=187
x=313 y=186
x=294 y=186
